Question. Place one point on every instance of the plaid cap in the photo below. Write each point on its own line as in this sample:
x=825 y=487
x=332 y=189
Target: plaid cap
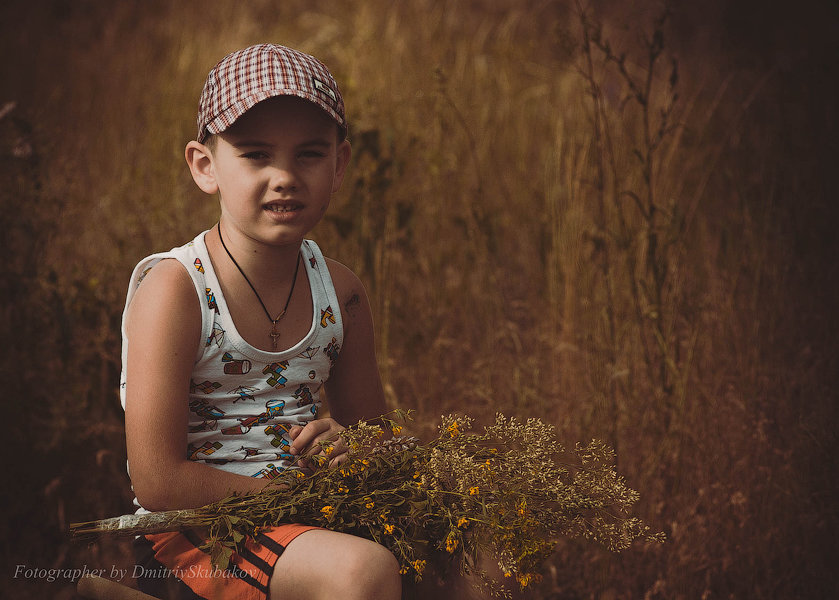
x=245 y=77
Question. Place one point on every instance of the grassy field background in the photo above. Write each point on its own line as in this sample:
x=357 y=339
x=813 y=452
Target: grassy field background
x=622 y=224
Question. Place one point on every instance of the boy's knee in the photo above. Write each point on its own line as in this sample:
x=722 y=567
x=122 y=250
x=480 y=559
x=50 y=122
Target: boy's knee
x=371 y=572
x=326 y=565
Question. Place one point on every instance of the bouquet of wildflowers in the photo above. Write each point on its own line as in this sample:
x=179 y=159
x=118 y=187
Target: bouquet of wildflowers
x=500 y=493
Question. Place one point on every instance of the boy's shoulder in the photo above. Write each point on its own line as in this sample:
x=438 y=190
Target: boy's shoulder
x=342 y=276
x=347 y=284
x=354 y=303
x=169 y=282
x=166 y=295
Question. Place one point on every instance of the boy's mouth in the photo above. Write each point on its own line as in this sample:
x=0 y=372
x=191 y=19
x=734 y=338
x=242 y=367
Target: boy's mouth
x=283 y=207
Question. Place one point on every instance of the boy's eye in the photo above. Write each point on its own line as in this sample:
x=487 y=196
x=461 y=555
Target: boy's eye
x=255 y=155
x=312 y=154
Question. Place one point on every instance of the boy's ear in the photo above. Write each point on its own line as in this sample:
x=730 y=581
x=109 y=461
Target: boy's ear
x=343 y=155
x=200 y=162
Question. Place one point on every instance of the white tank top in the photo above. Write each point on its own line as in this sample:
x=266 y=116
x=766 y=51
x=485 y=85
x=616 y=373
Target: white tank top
x=243 y=400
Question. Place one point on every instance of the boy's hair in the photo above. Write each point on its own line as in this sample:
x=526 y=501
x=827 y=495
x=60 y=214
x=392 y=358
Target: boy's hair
x=245 y=77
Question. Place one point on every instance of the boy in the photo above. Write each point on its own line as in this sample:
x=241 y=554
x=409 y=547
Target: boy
x=230 y=339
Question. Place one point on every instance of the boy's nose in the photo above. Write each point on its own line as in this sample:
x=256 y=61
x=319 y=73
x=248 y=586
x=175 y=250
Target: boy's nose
x=283 y=177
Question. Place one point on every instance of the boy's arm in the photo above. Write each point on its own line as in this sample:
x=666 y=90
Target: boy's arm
x=163 y=328
x=354 y=388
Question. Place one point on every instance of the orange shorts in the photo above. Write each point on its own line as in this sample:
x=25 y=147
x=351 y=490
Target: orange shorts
x=172 y=565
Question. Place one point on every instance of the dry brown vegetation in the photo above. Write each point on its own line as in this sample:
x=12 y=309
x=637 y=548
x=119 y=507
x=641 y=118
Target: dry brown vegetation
x=551 y=221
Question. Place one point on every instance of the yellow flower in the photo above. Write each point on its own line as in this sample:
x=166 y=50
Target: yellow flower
x=396 y=429
x=419 y=566
x=526 y=579
x=462 y=521
x=299 y=474
x=451 y=543
x=328 y=450
x=369 y=505
x=453 y=429
x=389 y=528
x=328 y=511
x=473 y=491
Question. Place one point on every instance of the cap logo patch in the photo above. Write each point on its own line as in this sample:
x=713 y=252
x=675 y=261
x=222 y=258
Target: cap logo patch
x=324 y=89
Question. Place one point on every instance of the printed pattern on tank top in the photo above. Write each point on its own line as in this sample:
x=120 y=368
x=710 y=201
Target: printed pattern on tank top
x=242 y=400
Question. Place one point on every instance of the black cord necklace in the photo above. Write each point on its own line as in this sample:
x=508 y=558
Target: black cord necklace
x=275 y=335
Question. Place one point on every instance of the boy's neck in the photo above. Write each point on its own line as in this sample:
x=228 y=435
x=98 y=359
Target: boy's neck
x=263 y=264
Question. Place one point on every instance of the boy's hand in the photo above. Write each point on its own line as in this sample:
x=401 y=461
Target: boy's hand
x=306 y=443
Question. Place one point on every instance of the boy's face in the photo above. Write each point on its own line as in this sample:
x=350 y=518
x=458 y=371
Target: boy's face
x=276 y=169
